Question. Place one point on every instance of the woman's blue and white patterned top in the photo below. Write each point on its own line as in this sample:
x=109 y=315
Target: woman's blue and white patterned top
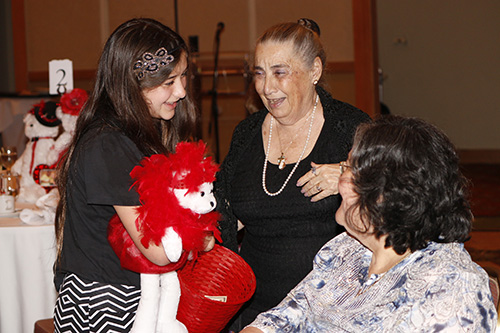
x=436 y=289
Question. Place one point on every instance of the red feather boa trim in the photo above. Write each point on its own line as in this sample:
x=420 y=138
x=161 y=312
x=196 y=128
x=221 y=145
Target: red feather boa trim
x=155 y=179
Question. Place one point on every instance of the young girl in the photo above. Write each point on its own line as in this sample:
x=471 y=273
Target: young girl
x=139 y=106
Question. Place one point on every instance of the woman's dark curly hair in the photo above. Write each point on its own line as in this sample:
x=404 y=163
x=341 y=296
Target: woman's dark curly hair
x=410 y=187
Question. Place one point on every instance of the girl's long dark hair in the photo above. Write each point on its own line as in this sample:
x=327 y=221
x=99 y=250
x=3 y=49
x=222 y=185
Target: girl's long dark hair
x=117 y=101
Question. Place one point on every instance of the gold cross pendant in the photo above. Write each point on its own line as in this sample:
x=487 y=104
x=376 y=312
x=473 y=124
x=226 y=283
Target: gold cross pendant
x=281 y=162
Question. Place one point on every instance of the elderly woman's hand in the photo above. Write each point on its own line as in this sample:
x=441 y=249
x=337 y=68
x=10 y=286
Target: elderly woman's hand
x=321 y=182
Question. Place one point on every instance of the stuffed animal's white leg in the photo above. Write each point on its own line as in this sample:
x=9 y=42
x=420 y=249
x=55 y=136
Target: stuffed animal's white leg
x=147 y=312
x=169 y=302
x=172 y=244
x=30 y=193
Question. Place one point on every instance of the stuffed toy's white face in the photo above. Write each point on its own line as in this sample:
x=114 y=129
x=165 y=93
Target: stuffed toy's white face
x=33 y=129
x=200 y=202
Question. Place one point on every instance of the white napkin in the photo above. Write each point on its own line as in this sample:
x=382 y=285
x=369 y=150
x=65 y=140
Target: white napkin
x=46 y=212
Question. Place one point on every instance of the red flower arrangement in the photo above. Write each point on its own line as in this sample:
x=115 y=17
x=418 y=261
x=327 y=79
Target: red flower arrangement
x=73 y=101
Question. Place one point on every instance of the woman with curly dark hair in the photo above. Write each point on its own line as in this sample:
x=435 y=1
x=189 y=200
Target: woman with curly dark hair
x=401 y=266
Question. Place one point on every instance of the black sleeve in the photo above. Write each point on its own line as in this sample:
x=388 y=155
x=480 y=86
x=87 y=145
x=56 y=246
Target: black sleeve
x=107 y=163
x=241 y=139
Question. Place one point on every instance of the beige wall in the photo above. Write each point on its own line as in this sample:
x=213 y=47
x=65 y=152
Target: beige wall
x=77 y=30
x=333 y=16
x=62 y=29
x=448 y=72
x=448 y=69
x=458 y=39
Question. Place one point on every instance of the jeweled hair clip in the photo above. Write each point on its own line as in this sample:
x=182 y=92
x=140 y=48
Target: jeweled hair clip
x=151 y=63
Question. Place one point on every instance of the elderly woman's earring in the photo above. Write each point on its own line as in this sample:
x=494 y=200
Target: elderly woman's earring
x=315 y=82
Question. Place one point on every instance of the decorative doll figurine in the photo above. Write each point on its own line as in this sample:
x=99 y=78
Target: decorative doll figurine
x=41 y=126
x=177 y=211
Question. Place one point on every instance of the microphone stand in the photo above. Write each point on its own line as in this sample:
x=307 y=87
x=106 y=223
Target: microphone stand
x=215 y=108
x=176 y=16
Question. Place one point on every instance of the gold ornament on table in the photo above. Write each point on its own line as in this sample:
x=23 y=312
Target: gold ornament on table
x=8 y=157
x=9 y=182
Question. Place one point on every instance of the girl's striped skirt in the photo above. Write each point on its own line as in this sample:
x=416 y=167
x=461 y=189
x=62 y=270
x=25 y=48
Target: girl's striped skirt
x=85 y=306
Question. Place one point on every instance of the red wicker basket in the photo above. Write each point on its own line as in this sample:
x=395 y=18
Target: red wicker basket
x=220 y=272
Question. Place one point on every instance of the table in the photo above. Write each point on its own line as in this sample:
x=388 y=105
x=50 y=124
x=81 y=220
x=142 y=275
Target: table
x=27 y=292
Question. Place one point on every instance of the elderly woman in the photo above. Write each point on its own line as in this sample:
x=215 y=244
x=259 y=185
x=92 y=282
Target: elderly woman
x=280 y=177
x=401 y=266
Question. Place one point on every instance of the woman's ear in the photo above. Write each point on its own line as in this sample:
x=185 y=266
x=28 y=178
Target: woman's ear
x=317 y=69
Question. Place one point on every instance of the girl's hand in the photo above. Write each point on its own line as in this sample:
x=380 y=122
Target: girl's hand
x=209 y=242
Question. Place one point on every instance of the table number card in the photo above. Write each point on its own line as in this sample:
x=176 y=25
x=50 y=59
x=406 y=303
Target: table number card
x=60 y=76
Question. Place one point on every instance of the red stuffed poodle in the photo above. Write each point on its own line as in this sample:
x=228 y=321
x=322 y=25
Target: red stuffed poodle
x=176 y=193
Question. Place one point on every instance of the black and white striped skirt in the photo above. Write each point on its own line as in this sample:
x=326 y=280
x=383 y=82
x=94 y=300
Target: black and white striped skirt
x=84 y=306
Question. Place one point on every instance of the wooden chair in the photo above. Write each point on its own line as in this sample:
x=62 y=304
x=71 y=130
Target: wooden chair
x=44 y=326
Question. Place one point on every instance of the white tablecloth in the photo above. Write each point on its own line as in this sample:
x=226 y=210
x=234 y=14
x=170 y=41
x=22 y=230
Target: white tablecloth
x=27 y=292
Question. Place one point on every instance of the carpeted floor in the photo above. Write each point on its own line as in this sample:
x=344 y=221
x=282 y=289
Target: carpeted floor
x=484 y=244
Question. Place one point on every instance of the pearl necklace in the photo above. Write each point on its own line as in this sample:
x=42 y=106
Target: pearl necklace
x=282 y=158
x=264 y=170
